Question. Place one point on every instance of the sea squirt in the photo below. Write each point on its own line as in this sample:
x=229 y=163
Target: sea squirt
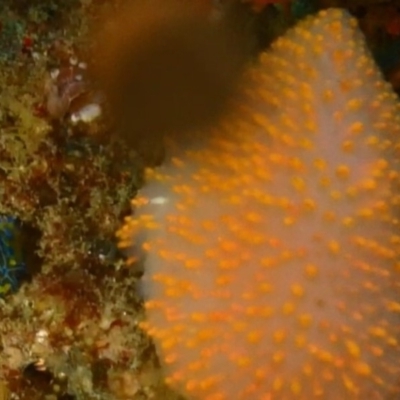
x=272 y=245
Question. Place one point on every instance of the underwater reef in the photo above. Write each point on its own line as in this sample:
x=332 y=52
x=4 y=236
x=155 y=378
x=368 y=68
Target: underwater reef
x=90 y=288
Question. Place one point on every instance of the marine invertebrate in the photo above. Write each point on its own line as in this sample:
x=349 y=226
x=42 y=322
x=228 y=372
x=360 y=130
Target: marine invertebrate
x=68 y=91
x=272 y=246
x=12 y=268
x=61 y=88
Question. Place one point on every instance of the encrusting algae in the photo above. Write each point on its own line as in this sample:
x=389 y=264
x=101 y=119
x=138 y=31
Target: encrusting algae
x=272 y=247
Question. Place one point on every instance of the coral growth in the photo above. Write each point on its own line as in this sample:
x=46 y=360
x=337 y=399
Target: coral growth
x=70 y=331
x=272 y=248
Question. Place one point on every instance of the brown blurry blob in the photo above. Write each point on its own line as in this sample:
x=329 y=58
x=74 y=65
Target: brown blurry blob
x=167 y=69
